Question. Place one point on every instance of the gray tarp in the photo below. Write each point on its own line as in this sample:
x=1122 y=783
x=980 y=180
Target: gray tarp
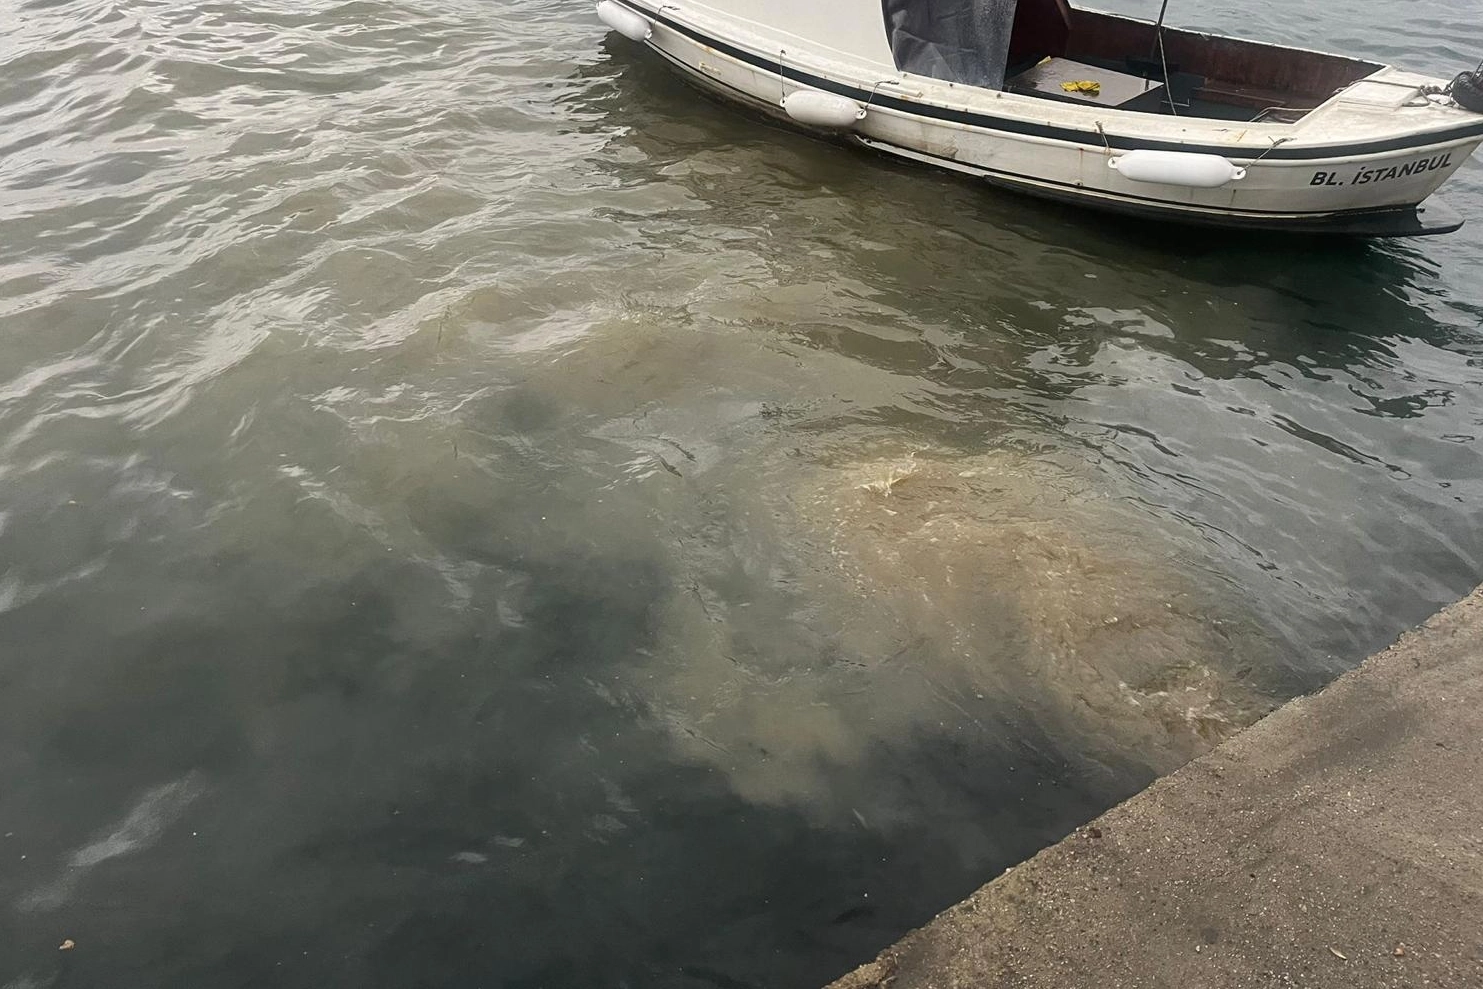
x=964 y=41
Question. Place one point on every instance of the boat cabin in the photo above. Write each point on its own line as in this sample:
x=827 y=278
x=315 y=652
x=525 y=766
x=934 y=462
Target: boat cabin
x=1047 y=48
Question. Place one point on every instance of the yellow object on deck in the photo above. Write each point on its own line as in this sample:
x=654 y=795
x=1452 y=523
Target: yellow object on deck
x=1088 y=86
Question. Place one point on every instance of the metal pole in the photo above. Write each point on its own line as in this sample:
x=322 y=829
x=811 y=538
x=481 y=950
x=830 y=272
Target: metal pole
x=1158 y=29
x=1162 y=11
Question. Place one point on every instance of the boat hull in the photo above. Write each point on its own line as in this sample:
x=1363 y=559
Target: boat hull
x=1368 y=189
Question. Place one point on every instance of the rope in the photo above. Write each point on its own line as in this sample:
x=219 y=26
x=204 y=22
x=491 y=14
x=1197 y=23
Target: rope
x=1164 y=61
x=1275 y=142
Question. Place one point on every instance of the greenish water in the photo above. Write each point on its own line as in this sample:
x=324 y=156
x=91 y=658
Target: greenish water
x=473 y=512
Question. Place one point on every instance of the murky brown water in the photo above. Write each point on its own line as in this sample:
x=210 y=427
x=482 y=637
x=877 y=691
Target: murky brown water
x=473 y=513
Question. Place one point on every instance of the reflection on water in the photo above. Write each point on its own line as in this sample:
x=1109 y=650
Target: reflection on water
x=145 y=823
x=474 y=513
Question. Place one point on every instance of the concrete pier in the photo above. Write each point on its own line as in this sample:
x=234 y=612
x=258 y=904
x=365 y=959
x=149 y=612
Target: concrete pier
x=1336 y=843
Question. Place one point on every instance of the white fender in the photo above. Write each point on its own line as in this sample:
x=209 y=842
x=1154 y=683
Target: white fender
x=813 y=108
x=633 y=26
x=1183 y=168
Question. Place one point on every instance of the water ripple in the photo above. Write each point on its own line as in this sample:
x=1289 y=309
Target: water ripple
x=544 y=502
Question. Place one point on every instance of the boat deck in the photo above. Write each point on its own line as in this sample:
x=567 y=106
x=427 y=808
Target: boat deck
x=1142 y=86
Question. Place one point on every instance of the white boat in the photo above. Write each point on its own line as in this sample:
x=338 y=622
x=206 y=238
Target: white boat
x=1089 y=107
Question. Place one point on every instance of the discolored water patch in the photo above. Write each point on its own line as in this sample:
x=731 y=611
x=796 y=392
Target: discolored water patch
x=992 y=597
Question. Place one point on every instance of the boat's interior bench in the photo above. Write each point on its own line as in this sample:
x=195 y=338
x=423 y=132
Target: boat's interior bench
x=1138 y=84
x=1062 y=79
